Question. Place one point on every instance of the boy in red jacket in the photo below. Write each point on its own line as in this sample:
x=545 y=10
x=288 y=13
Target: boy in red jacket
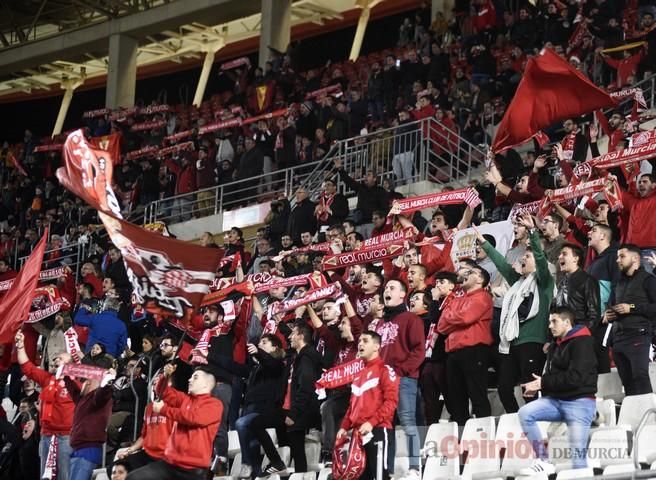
x=197 y=416
x=374 y=397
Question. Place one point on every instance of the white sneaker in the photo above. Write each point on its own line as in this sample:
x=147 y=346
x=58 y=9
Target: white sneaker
x=539 y=466
x=412 y=475
x=245 y=472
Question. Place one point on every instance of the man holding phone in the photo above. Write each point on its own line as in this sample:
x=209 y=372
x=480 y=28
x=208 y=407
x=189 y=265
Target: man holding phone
x=632 y=306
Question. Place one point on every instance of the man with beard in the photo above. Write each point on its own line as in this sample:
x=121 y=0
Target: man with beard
x=168 y=348
x=638 y=211
x=403 y=349
x=580 y=292
x=466 y=320
x=56 y=407
x=215 y=346
x=631 y=308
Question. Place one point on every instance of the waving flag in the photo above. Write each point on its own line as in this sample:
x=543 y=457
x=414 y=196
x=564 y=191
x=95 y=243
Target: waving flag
x=15 y=305
x=168 y=276
x=550 y=90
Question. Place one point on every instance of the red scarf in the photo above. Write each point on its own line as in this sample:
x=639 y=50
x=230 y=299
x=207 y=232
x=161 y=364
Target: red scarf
x=325 y=201
x=349 y=461
x=204 y=342
x=338 y=376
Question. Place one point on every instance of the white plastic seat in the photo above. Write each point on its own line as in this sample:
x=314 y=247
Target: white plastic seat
x=575 y=473
x=441 y=451
x=510 y=438
x=647 y=441
x=325 y=474
x=633 y=407
x=607 y=412
x=236 y=466
x=482 y=452
x=619 y=468
x=99 y=474
x=609 y=446
x=558 y=448
x=233 y=443
x=609 y=386
x=313 y=455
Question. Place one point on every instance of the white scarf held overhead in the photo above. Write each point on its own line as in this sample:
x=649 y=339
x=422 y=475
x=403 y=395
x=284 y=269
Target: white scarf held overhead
x=509 y=328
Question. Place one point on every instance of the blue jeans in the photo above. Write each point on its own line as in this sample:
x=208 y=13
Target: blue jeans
x=248 y=444
x=81 y=469
x=407 y=413
x=64 y=451
x=577 y=414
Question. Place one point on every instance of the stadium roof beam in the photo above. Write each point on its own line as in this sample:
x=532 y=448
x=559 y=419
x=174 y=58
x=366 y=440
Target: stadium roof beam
x=276 y=28
x=69 y=85
x=210 y=52
x=366 y=6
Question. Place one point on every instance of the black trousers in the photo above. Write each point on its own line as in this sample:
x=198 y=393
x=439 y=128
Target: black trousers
x=432 y=383
x=161 y=470
x=603 y=359
x=631 y=355
x=466 y=372
x=295 y=438
x=377 y=451
x=518 y=366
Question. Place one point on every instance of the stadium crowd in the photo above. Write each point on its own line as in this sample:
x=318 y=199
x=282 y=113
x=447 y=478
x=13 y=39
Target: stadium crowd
x=434 y=332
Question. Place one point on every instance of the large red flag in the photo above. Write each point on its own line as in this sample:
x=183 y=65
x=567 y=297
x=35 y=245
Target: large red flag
x=15 y=306
x=551 y=90
x=167 y=275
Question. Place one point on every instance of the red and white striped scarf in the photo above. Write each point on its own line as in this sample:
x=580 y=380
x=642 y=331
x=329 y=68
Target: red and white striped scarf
x=203 y=344
x=50 y=472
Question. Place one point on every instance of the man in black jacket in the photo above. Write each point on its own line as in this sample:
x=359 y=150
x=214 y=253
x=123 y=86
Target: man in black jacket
x=568 y=386
x=332 y=206
x=371 y=197
x=301 y=404
x=301 y=218
x=579 y=291
x=631 y=308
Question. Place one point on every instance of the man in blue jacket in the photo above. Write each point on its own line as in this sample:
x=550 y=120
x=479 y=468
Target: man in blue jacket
x=105 y=327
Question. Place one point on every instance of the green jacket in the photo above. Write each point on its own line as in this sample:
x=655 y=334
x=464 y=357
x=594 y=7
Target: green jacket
x=535 y=329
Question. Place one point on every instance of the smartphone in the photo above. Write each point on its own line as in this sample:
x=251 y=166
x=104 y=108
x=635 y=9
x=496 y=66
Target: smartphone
x=398 y=63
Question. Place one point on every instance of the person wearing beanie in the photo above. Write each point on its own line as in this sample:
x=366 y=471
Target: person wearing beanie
x=56 y=407
x=195 y=417
x=568 y=387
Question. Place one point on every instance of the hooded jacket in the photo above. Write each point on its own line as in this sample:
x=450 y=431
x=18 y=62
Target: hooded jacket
x=467 y=320
x=571 y=366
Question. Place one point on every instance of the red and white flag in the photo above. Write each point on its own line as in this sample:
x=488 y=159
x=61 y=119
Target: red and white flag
x=15 y=305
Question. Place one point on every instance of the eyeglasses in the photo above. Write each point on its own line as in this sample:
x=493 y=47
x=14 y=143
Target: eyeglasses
x=165 y=345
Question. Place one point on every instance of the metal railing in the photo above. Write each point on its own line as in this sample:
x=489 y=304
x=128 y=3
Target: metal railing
x=420 y=150
x=73 y=255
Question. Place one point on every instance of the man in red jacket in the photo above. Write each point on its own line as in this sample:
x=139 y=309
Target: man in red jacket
x=196 y=420
x=185 y=183
x=403 y=348
x=467 y=322
x=638 y=212
x=56 y=407
x=371 y=409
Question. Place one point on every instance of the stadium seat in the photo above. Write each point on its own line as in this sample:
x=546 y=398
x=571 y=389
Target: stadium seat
x=478 y=441
x=233 y=443
x=509 y=440
x=313 y=456
x=633 y=407
x=99 y=474
x=401 y=457
x=620 y=468
x=575 y=473
x=609 y=386
x=236 y=466
x=647 y=444
x=441 y=451
x=558 y=445
x=609 y=446
x=607 y=412
x=325 y=474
